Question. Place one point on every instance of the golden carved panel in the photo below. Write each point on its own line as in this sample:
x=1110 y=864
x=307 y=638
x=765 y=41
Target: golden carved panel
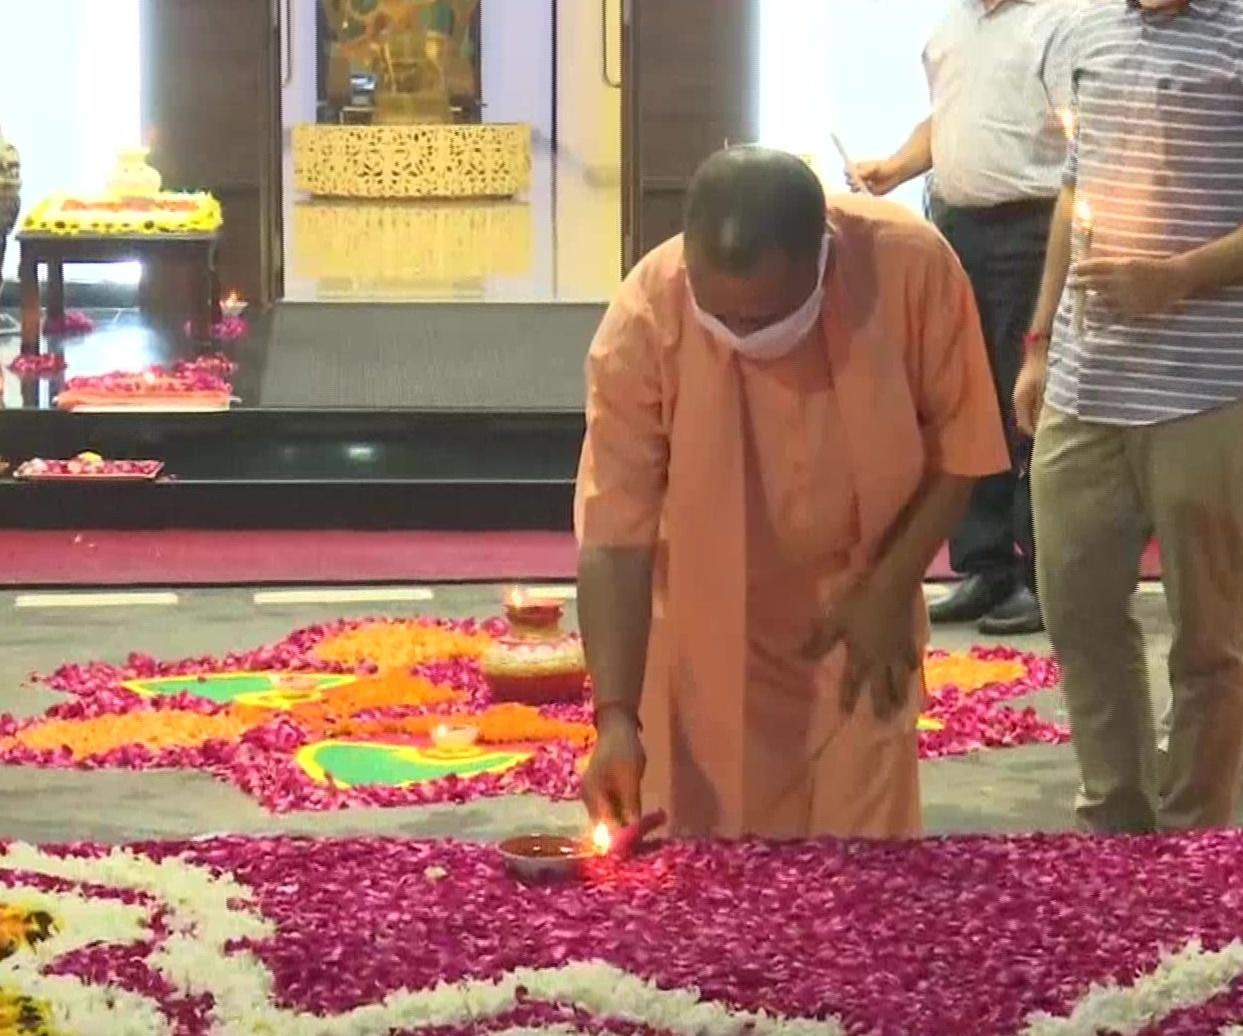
x=411 y=242
x=423 y=161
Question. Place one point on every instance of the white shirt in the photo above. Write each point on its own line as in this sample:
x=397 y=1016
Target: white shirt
x=999 y=81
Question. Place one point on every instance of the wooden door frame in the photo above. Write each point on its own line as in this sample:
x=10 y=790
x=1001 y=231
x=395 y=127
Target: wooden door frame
x=645 y=177
x=630 y=169
x=272 y=188
x=267 y=107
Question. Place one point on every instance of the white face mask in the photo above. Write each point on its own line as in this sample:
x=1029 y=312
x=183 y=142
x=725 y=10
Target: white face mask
x=775 y=340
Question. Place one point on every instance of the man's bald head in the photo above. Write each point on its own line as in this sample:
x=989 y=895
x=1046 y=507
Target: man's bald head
x=745 y=202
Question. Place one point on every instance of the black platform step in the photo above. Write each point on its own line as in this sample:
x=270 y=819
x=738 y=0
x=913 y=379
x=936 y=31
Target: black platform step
x=452 y=416
x=302 y=469
x=372 y=504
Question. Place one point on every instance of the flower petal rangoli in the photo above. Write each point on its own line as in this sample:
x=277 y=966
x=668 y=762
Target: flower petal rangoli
x=343 y=715
x=241 y=937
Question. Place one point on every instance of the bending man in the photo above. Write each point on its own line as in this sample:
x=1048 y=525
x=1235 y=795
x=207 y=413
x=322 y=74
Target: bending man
x=785 y=415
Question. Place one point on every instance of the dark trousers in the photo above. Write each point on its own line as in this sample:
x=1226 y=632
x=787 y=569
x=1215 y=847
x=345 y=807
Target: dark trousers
x=1002 y=249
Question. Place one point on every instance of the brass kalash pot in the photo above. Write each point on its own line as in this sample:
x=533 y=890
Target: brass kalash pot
x=10 y=194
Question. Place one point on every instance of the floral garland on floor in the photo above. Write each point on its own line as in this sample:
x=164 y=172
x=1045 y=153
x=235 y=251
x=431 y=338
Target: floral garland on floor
x=341 y=715
x=1025 y=936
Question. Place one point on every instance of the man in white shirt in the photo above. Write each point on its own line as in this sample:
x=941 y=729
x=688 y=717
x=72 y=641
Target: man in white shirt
x=999 y=78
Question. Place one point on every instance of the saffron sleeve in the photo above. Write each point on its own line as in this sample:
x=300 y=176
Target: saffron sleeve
x=955 y=395
x=622 y=471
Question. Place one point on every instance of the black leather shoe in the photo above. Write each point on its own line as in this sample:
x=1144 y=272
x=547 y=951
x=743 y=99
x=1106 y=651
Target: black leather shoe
x=1017 y=614
x=970 y=600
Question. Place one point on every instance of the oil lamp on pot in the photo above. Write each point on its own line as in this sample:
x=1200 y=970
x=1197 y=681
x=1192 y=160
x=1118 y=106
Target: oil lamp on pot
x=537 y=663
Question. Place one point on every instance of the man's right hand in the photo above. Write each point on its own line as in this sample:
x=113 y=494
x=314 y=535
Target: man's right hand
x=615 y=772
x=1029 y=393
x=879 y=177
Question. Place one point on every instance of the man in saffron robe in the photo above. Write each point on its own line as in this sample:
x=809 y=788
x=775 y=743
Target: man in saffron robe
x=786 y=411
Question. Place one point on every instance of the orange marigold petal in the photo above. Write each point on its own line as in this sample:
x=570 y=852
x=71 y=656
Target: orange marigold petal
x=155 y=730
x=970 y=674
x=400 y=645
x=498 y=725
x=386 y=690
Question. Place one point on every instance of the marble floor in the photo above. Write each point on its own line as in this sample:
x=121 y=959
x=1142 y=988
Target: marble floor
x=561 y=242
x=1019 y=789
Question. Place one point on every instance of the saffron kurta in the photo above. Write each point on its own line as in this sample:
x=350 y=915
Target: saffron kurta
x=766 y=488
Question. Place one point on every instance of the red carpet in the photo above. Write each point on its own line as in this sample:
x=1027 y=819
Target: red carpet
x=190 y=558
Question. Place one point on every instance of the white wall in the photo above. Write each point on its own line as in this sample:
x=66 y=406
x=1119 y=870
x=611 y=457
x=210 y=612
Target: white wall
x=588 y=109
x=516 y=57
x=849 y=66
x=299 y=46
x=69 y=109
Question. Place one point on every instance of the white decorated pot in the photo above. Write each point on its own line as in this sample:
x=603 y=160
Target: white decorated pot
x=134 y=177
x=536 y=663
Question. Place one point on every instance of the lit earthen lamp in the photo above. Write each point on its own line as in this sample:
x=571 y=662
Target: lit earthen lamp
x=232 y=306
x=556 y=857
x=537 y=663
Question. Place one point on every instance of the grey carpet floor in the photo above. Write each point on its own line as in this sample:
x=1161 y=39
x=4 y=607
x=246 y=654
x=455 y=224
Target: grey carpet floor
x=478 y=356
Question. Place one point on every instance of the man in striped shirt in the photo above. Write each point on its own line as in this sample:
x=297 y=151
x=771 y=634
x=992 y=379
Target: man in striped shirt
x=997 y=76
x=1141 y=429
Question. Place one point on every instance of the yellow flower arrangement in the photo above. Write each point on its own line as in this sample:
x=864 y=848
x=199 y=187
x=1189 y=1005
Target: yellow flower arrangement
x=24 y=1016
x=167 y=213
x=22 y=929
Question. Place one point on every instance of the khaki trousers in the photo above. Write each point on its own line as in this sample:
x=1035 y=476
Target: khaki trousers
x=1099 y=493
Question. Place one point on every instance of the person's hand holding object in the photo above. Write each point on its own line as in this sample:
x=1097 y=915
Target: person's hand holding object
x=614 y=775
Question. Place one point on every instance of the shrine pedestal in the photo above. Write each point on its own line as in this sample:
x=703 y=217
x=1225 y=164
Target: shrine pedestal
x=413 y=161
x=409 y=243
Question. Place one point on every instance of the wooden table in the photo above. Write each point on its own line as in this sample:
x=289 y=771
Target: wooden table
x=195 y=253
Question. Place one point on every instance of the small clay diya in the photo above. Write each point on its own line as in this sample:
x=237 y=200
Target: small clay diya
x=296 y=682
x=546 y=857
x=232 y=307
x=451 y=737
x=529 y=609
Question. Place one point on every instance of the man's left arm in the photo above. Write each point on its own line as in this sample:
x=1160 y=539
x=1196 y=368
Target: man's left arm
x=963 y=435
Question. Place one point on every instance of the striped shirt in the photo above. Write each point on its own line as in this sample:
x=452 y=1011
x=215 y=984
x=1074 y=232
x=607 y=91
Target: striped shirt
x=1158 y=157
x=997 y=80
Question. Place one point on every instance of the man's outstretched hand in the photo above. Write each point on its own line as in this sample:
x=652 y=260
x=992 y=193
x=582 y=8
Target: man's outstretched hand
x=874 y=177
x=614 y=773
